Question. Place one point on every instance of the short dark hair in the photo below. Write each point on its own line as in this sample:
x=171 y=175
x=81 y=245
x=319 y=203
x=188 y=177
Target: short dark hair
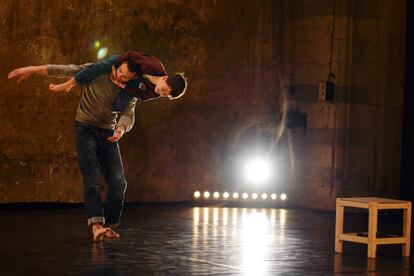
x=133 y=67
x=178 y=85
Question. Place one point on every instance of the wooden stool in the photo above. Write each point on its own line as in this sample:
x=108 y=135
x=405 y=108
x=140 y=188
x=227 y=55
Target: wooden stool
x=373 y=204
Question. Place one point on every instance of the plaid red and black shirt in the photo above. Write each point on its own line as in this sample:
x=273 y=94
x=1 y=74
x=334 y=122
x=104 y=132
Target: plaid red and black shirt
x=149 y=65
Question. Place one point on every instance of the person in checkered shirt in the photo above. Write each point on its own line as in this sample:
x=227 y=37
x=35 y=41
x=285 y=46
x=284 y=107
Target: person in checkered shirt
x=139 y=76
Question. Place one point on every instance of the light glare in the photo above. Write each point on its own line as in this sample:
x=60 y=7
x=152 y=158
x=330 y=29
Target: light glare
x=245 y=195
x=283 y=196
x=102 y=53
x=226 y=195
x=235 y=195
x=206 y=194
x=273 y=196
x=216 y=195
x=264 y=196
x=257 y=170
x=254 y=195
x=197 y=194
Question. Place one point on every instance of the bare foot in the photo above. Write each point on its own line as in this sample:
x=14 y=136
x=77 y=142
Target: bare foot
x=99 y=233
x=111 y=234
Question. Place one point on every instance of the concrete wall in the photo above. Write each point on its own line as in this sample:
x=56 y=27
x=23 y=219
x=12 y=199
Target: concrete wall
x=352 y=146
x=236 y=54
x=227 y=49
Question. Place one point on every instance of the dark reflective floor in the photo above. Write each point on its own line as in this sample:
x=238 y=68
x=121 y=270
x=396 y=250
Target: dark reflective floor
x=185 y=240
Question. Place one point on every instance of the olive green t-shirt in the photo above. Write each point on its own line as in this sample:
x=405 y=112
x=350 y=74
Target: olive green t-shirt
x=98 y=97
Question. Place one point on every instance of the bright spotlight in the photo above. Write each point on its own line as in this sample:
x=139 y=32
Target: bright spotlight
x=264 y=196
x=273 y=196
x=102 y=53
x=226 y=195
x=97 y=44
x=245 y=195
x=254 y=195
x=216 y=194
x=206 y=194
x=235 y=195
x=283 y=196
x=257 y=170
x=197 y=194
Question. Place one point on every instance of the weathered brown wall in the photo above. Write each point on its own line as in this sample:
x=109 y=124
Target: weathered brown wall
x=227 y=49
x=235 y=54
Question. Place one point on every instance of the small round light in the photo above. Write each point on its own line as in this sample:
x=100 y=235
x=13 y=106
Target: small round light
x=273 y=196
x=283 y=196
x=197 y=194
x=102 y=52
x=226 y=195
x=264 y=196
x=245 y=195
x=235 y=195
x=216 y=194
x=254 y=195
x=206 y=194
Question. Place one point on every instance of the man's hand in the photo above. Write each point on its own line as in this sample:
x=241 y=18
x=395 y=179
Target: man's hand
x=117 y=134
x=23 y=73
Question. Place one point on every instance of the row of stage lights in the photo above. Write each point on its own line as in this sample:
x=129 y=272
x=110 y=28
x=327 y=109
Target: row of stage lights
x=216 y=195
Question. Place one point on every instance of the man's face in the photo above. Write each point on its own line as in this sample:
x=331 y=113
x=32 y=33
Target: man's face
x=162 y=87
x=123 y=74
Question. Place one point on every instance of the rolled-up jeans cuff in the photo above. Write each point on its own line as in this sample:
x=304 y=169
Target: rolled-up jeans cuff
x=100 y=220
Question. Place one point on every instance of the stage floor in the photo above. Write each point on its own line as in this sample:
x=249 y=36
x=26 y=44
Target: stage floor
x=174 y=239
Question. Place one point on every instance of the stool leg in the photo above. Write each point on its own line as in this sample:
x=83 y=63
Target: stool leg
x=372 y=230
x=407 y=231
x=339 y=226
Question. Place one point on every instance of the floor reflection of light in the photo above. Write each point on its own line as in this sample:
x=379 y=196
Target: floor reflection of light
x=224 y=225
x=213 y=235
x=215 y=216
x=235 y=211
x=206 y=233
x=273 y=217
x=282 y=224
x=225 y=216
x=205 y=215
x=196 y=219
x=244 y=212
x=196 y=215
x=255 y=243
x=282 y=216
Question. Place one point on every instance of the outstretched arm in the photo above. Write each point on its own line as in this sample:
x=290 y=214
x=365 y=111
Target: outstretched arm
x=84 y=76
x=23 y=73
x=50 y=70
x=89 y=73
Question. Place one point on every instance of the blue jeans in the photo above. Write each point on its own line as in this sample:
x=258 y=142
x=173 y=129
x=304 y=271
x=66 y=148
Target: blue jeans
x=99 y=157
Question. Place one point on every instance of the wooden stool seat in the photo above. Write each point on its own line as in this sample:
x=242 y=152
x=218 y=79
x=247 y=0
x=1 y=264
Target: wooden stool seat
x=373 y=238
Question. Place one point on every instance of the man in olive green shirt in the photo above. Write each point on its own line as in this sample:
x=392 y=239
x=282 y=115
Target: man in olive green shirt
x=98 y=130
